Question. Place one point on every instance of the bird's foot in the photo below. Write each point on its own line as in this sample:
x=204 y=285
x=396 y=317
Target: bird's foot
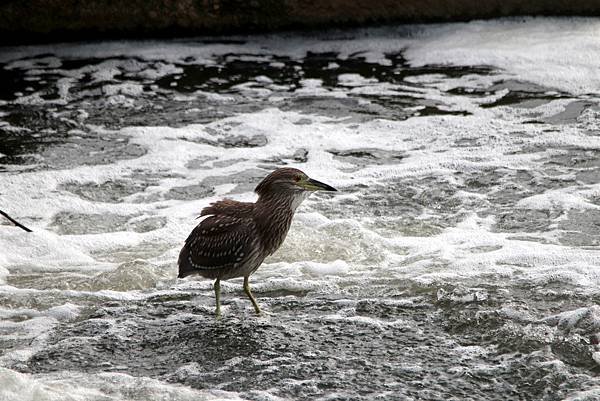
x=250 y=296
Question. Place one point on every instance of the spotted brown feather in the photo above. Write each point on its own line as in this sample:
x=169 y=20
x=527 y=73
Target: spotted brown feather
x=219 y=245
x=235 y=237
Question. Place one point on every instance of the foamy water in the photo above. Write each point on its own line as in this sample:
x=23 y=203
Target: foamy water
x=458 y=261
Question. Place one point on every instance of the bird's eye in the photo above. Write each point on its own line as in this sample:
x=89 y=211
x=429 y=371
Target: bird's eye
x=297 y=178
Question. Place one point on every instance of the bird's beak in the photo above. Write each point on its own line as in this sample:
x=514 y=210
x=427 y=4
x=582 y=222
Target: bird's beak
x=314 y=185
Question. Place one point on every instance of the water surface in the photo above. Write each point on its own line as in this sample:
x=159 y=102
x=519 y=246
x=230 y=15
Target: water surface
x=459 y=260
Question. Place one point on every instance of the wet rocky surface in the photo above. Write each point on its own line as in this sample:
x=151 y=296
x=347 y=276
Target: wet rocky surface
x=455 y=343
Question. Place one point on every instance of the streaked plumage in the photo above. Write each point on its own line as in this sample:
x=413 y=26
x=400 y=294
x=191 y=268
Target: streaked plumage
x=235 y=237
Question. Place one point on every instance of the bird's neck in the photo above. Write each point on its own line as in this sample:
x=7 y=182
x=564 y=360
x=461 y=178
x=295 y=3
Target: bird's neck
x=274 y=218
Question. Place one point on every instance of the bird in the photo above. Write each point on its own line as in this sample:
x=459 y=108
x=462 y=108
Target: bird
x=235 y=237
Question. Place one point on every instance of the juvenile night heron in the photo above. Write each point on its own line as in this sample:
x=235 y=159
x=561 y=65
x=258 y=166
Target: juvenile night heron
x=236 y=237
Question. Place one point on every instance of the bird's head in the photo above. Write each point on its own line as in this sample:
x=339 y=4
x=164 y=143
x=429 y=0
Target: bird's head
x=289 y=181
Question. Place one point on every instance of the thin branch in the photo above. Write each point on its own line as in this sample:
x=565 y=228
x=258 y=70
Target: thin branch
x=15 y=222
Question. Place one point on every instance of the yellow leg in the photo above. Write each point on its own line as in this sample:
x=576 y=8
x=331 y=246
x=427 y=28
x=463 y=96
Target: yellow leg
x=217 y=287
x=247 y=291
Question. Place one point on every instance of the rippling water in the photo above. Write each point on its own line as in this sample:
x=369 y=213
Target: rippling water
x=459 y=260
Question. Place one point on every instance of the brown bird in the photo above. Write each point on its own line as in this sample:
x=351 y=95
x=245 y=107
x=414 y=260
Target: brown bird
x=236 y=237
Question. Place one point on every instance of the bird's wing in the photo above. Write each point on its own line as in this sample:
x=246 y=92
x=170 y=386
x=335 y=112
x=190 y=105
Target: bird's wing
x=218 y=241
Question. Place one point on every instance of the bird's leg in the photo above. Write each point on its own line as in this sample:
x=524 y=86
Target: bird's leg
x=247 y=291
x=217 y=287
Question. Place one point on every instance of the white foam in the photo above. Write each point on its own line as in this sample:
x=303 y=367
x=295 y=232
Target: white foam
x=526 y=48
x=313 y=238
x=591 y=394
x=3 y=271
x=354 y=80
x=61 y=312
x=105 y=74
x=263 y=79
x=563 y=199
x=129 y=89
x=73 y=386
x=365 y=321
x=337 y=267
x=160 y=70
x=588 y=317
x=40 y=250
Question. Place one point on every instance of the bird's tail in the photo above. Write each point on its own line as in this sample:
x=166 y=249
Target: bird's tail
x=185 y=267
